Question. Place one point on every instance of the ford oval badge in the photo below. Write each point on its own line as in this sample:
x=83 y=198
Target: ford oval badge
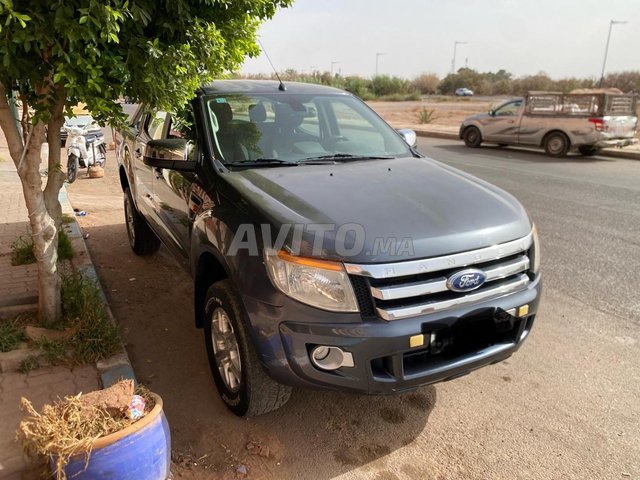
x=466 y=280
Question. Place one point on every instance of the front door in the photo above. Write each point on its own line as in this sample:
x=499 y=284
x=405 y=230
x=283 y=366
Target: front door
x=502 y=126
x=152 y=129
x=173 y=193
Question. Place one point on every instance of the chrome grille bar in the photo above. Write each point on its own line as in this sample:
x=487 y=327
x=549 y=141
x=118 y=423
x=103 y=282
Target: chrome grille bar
x=463 y=259
x=396 y=313
x=416 y=289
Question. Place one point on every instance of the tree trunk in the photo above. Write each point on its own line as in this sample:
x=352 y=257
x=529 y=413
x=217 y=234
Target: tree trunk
x=56 y=174
x=43 y=230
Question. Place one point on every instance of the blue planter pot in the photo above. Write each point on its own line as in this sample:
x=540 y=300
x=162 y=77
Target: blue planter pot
x=141 y=451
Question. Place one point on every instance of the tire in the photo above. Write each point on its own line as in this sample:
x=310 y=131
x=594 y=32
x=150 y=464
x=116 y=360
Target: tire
x=556 y=144
x=472 y=137
x=588 y=150
x=142 y=239
x=242 y=383
x=73 y=164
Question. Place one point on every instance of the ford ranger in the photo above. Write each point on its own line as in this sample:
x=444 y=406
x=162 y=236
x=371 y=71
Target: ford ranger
x=326 y=251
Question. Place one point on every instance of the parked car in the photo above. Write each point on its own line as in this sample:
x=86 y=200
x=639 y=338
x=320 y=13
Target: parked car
x=558 y=123
x=91 y=129
x=326 y=252
x=464 y=92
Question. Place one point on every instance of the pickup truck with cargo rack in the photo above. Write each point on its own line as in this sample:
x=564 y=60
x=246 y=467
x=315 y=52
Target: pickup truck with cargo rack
x=557 y=122
x=326 y=252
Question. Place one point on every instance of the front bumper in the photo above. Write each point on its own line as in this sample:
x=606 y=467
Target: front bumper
x=469 y=338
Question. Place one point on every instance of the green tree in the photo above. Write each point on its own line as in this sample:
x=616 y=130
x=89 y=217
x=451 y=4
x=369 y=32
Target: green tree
x=57 y=53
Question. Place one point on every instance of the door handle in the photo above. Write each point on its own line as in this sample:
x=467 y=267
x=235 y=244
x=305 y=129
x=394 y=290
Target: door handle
x=137 y=153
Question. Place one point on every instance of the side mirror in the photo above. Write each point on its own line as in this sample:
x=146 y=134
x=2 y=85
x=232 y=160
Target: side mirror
x=492 y=113
x=173 y=154
x=409 y=136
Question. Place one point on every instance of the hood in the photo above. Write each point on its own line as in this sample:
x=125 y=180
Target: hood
x=477 y=116
x=381 y=210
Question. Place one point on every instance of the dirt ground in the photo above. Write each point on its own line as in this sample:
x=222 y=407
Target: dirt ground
x=517 y=419
x=446 y=113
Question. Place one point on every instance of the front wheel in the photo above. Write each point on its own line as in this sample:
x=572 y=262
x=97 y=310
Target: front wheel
x=242 y=383
x=556 y=145
x=73 y=163
x=588 y=150
x=472 y=137
x=142 y=239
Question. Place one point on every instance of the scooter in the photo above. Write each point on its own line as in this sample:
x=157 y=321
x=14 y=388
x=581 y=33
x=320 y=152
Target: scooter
x=83 y=153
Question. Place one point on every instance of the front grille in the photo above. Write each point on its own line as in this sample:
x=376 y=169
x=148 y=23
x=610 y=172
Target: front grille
x=409 y=289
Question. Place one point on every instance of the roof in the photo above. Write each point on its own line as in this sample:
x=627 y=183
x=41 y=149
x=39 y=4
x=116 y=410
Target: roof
x=267 y=86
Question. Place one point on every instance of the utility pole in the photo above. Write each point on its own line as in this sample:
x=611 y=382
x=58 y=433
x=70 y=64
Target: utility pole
x=378 y=55
x=606 y=49
x=332 y=64
x=453 y=60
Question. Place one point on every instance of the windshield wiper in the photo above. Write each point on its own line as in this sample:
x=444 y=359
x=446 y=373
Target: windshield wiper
x=344 y=157
x=263 y=162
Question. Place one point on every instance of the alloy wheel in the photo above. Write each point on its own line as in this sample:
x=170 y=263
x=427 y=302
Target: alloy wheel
x=226 y=350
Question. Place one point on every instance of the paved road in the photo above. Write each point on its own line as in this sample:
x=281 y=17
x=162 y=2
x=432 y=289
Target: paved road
x=567 y=405
x=587 y=211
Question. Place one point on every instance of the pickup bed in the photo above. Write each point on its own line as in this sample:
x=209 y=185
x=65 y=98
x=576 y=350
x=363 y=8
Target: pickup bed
x=326 y=252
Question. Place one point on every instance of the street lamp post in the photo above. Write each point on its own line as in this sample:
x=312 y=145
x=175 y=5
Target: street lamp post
x=378 y=55
x=332 y=64
x=606 y=49
x=453 y=60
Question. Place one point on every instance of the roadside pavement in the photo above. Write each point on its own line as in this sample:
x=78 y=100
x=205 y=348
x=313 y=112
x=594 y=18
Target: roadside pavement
x=18 y=293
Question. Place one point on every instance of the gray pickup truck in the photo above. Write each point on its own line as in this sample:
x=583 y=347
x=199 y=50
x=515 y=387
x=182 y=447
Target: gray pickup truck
x=326 y=252
x=557 y=122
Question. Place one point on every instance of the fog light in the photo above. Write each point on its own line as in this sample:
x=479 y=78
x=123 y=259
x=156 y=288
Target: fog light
x=331 y=358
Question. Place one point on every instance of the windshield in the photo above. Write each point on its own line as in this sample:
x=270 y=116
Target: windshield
x=298 y=128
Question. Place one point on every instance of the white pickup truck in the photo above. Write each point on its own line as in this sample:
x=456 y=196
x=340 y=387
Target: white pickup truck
x=557 y=122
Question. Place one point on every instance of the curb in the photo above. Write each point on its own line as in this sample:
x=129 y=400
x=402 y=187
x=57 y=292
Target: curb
x=118 y=366
x=607 y=152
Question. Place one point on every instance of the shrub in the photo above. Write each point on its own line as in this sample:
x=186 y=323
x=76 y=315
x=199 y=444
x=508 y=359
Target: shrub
x=427 y=83
x=386 y=85
x=426 y=115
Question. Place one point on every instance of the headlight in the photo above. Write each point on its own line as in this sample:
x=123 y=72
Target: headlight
x=535 y=251
x=318 y=283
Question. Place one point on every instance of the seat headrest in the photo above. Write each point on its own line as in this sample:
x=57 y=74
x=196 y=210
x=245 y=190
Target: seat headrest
x=287 y=117
x=223 y=112
x=257 y=113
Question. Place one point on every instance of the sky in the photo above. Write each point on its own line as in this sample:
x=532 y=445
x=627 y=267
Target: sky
x=559 y=37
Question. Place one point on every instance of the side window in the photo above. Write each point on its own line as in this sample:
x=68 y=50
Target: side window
x=310 y=123
x=354 y=128
x=155 y=125
x=181 y=125
x=509 y=109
